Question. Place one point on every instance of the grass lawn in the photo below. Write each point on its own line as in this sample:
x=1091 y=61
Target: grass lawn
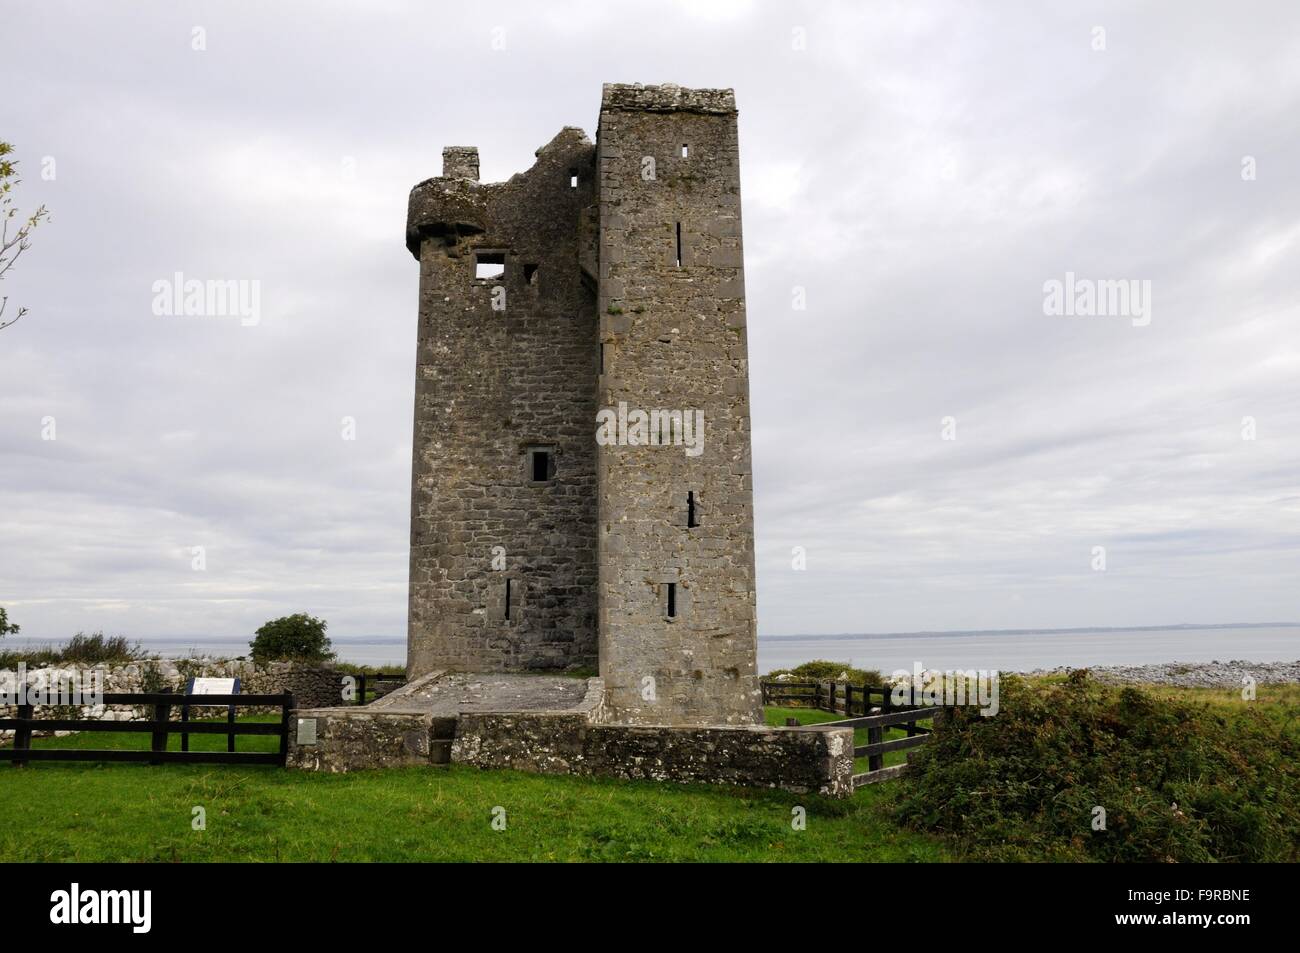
x=131 y=812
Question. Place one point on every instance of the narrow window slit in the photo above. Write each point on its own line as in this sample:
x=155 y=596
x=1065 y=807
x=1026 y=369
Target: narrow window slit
x=692 y=517
x=542 y=467
x=573 y=178
x=672 y=600
x=679 y=244
x=685 y=150
x=508 y=597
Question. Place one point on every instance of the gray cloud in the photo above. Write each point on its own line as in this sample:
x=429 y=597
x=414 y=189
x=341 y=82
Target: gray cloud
x=920 y=170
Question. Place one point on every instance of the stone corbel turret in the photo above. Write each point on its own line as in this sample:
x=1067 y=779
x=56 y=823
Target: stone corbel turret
x=447 y=208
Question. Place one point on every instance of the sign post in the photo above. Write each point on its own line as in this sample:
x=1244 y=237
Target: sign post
x=210 y=686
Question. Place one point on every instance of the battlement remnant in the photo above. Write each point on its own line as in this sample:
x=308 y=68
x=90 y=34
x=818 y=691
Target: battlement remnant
x=460 y=162
x=581 y=482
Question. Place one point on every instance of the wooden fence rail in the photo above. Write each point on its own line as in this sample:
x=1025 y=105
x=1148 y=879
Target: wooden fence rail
x=877 y=747
x=382 y=685
x=829 y=696
x=867 y=707
x=160 y=726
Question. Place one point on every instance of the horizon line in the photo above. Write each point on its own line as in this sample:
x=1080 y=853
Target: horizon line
x=1038 y=631
x=918 y=633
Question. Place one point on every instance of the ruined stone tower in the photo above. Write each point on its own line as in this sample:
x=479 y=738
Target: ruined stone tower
x=581 y=488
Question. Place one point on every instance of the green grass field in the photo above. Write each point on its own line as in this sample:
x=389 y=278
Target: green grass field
x=131 y=812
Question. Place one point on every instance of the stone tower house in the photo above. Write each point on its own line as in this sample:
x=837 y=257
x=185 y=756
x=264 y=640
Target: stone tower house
x=581 y=483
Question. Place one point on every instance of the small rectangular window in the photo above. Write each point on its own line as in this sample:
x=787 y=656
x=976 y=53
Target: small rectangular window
x=692 y=515
x=670 y=608
x=685 y=150
x=573 y=178
x=509 y=593
x=679 y=244
x=489 y=265
x=530 y=274
x=542 y=465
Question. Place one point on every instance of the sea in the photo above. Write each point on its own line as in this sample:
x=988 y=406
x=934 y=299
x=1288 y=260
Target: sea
x=1002 y=650
x=1024 y=650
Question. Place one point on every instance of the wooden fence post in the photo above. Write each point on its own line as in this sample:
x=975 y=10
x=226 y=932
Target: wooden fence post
x=161 y=713
x=361 y=689
x=185 y=735
x=23 y=733
x=286 y=711
x=874 y=737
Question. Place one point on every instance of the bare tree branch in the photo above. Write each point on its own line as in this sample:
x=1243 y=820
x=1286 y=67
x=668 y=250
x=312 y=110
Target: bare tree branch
x=13 y=246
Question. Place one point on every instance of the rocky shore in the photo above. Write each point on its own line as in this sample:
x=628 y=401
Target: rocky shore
x=1189 y=674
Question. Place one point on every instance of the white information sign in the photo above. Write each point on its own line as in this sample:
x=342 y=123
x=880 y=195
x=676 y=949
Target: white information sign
x=213 y=686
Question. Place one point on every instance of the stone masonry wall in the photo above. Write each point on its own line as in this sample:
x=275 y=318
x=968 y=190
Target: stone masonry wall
x=504 y=365
x=803 y=760
x=622 y=293
x=577 y=741
x=354 y=739
x=672 y=327
x=311 y=684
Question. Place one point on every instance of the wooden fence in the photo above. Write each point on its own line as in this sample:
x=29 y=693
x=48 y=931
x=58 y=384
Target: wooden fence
x=864 y=706
x=381 y=685
x=160 y=727
x=877 y=747
x=829 y=696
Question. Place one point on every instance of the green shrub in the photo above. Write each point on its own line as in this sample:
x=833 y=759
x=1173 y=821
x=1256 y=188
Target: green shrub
x=10 y=658
x=192 y=667
x=350 y=668
x=297 y=637
x=1178 y=781
x=151 y=678
x=81 y=649
x=93 y=649
x=820 y=670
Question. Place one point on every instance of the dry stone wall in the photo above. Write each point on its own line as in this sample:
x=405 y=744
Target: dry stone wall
x=311 y=684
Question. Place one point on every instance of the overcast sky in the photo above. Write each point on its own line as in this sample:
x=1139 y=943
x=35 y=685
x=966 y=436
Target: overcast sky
x=920 y=169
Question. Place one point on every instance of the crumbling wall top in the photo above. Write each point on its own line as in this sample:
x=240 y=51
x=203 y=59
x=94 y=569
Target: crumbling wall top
x=456 y=204
x=667 y=97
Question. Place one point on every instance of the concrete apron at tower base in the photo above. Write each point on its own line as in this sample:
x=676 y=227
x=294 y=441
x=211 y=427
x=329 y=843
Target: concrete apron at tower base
x=414 y=726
